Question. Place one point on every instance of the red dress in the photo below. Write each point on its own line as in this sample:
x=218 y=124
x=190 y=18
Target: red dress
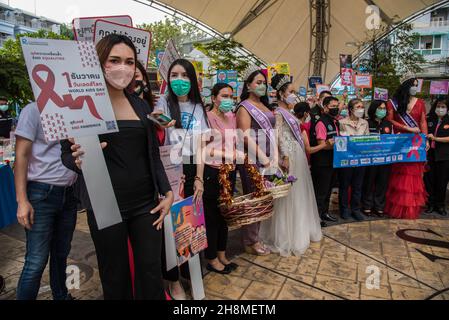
x=406 y=195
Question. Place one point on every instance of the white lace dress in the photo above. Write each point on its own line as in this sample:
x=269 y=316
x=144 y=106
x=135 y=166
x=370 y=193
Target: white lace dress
x=295 y=222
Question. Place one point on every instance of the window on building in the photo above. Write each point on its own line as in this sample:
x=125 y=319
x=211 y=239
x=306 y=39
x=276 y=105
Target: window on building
x=426 y=42
x=437 y=42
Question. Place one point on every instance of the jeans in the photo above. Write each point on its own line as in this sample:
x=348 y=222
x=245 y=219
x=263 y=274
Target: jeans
x=50 y=235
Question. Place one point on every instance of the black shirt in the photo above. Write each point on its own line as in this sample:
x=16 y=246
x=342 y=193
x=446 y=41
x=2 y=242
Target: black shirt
x=129 y=167
x=5 y=124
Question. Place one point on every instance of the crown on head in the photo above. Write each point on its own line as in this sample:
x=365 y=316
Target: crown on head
x=285 y=79
x=252 y=68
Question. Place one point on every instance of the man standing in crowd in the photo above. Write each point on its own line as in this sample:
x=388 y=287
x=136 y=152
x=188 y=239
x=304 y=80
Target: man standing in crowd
x=46 y=207
x=323 y=173
x=317 y=110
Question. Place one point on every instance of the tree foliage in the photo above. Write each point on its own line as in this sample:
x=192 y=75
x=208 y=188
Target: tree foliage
x=14 y=81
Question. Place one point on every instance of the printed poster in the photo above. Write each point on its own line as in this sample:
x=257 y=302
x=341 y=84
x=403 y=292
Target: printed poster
x=83 y=28
x=69 y=88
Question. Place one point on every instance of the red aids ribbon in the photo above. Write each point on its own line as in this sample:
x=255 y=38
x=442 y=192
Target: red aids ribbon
x=417 y=141
x=48 y=93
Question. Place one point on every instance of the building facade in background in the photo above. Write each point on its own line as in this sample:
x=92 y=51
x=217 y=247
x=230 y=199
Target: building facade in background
x=16 y=21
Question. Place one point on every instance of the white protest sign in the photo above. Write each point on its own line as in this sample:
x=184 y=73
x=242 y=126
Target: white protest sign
x=140 y=38
x=69 y=87
x=73 y=102
x=83 y=28
x=170 y=55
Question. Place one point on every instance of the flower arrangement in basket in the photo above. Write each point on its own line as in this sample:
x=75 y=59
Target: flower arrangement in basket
x=247 y=209
x=280 y=184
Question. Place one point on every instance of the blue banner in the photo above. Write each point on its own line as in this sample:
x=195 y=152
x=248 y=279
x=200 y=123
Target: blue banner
x=376 y=150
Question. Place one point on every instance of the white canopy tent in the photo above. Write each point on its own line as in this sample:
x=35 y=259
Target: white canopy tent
x=282 y=30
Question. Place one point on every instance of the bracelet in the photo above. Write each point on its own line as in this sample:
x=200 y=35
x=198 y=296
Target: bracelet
x=199 y=179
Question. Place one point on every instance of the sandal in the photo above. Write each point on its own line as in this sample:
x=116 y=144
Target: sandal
x=259 y=251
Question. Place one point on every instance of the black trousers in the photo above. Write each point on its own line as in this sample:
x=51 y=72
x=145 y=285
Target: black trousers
x=350 y=177
x=429 y=177
x=323 y=180
x=172 y=275
x=441 y=180
x=216 y=226
x=111 y=245
x=375 y=187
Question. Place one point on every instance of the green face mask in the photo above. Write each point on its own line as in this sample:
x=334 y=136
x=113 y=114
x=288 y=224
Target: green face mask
x=181 y=87
x=261 y=90
x=381 y=113
x=226 y=105
x=4 y=107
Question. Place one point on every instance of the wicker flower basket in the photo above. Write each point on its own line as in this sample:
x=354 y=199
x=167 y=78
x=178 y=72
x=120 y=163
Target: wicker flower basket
x=282 y=191
x=248 y=209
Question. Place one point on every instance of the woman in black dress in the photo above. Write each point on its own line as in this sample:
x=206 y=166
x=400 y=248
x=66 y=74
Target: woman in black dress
x=138 y=179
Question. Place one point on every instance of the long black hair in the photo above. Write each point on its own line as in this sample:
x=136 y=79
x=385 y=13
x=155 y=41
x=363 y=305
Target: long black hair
x=402 y=95
x=147 y=94
x=245 y=93
x=194 y=95
x=373 y=108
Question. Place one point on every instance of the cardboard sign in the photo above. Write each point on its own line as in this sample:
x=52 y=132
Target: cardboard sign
x=189 y=228
x=83 y=28
x=140 y=38
x=278 y=68
x=346 y=76
x=69 y=88
x=439 y=87
x=363 y=81
x=230 y=77
x=170 y=55
x=380 y=94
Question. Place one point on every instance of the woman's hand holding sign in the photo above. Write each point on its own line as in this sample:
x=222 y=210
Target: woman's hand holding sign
x=78 y=153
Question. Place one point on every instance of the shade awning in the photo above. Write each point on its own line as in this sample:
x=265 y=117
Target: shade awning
x=281 y=32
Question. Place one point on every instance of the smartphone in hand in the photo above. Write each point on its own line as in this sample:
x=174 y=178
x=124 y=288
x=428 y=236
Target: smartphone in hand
x=160 y=119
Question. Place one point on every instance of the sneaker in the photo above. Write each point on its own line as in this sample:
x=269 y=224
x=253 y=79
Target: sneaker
x=345 y=215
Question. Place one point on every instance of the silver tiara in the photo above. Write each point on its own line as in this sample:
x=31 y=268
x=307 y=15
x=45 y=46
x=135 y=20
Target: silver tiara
x=285 y=79
x=252 y=68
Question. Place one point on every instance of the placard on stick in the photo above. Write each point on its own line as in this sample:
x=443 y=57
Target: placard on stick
x=83 y=28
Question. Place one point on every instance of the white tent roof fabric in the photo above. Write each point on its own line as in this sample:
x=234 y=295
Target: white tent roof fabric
x=282 y=32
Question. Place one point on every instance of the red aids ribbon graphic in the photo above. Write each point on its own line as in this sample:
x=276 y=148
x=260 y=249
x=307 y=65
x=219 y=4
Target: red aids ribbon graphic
x=416 y=144
x=48 y=93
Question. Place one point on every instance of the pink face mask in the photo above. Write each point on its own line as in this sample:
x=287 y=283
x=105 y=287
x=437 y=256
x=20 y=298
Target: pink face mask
x=119 y=76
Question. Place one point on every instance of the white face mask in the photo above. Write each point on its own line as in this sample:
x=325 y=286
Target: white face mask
x=441 y=112
x=359 y=113
x=308 y=119
x=292 y=99
x=413 y=91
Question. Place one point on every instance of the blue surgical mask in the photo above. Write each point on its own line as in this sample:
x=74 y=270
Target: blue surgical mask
x=261 y=90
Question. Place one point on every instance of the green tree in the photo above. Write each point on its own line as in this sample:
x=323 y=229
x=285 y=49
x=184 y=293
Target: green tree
x=223 y=54
x=392 y=57
x=170 y=28
x=14 y=81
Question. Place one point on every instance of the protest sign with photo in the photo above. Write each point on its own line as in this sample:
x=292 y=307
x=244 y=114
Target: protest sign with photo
x=189 y=228
x=230 y=77
x=170 y=55
x=346 y=76
x=380 y=94
x=278 y=68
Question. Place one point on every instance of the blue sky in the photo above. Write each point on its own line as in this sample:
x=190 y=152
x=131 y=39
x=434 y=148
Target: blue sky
x=66 y=10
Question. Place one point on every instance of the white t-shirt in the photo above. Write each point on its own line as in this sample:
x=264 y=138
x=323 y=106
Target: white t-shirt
x=45 y=165
x=198 y=125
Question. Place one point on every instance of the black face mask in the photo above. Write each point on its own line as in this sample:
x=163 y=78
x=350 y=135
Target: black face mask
x=333 y=112
x=140 y=88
